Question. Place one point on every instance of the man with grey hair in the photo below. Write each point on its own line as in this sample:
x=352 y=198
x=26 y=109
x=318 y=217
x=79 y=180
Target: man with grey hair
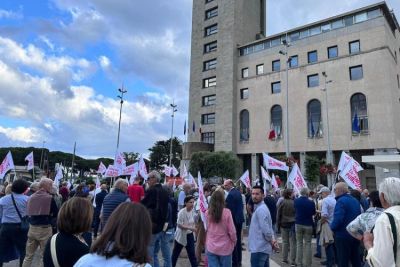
x=156 y=201
x=112 y=200
x=346 y=210
x=305 y=210
x=381 y=246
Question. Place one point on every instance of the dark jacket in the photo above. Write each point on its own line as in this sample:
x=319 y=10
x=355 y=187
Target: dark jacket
x=111 y=202
x=346 y=210
x=305 y=210
x=156 y=201
x=99 y=198
x=286 y=213
x=234 y=203
x=271 y=204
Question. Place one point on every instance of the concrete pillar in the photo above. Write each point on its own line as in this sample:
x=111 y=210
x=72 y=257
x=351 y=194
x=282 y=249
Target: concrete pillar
x=255 y=166
x=302 y=162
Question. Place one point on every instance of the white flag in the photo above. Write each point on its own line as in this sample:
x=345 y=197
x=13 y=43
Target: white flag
x=245 y=179
x=174 y=185
x=29 y=158
x=131 y=169
x=274 y=183
x=111 y=171
x=59 y=176
x=185 y=171
x=119 y=162
x=6 y=165
x=191 y=180
x=273 y=164
x=202 y=201
x=344 y=159
x=296 y=178
x=143 y=168
x=174 y=171
x=350 y=174
x=167 y=170
x=102 y=168
x=266 y=178
x=97 y=182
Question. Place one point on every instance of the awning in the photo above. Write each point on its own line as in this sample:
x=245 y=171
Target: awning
x=383 y=161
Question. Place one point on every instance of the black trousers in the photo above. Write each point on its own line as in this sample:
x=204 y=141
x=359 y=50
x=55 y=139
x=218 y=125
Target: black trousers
x=189 y=249
x=347 y=250
x=12 y=235
x=237 y=251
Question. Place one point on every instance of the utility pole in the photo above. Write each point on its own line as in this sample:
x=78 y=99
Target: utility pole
x=288 y=59
x=329 y=156
x=174 y=109
x=121 y=97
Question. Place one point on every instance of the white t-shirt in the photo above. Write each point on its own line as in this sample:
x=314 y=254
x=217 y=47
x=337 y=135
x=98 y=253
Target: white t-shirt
x=95 y=260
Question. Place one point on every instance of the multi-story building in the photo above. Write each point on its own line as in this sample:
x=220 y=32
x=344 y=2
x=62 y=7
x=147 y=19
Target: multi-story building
x=340 y=73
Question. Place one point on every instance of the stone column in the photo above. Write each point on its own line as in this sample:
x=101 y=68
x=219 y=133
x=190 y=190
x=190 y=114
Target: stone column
x=255 y=166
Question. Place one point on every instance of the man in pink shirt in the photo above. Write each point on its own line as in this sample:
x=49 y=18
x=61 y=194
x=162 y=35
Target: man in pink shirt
x=136 y=191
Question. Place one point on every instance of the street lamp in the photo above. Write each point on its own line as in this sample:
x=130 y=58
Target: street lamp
x=329 y=154
x=174 y=109
x=121 y=96
x=288 y=59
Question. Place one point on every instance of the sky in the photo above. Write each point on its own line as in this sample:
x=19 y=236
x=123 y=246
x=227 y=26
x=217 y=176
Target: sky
x=63 y=61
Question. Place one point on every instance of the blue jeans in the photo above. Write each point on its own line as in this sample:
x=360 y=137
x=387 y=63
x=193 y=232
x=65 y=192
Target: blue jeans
x=330 y=255
x=347 y=250
x=165 y=242
x=218 y=261
x=151 y=248
x=189 y=249
x=318 y=252
x=259 y=259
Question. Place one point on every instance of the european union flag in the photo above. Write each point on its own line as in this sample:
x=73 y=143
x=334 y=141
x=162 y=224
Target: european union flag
x=356 y=124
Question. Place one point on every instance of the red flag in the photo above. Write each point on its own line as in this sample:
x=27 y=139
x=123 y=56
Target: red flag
x=272 y=134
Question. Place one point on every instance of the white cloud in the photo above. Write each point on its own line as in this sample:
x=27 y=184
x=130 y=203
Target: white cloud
x=21 y=134
x=8 y=14
x=104 y=62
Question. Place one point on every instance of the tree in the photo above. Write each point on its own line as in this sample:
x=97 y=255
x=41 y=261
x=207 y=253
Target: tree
x=159 y=153
x=313 y=164
x=210 y=164
x=131 y=157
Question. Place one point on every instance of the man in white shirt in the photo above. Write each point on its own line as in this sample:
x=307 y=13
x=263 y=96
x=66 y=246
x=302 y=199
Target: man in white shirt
x=327 y=211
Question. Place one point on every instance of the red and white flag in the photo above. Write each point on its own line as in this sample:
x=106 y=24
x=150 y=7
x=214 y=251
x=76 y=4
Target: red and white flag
x=273 y=164
x=266 y=178
x=274 y=183
x=185 y=171
x=102 y=168
x=350 y=174
x=29 y=159
x=344 y=159
x=191 y=180
x=245 y=179
x=111 y=171
x=142 y=168
x=296 y=178
x=167 y=170
x=97 y=182
x=131 y=169
x=272 y=133
x=202 y=201
x=119 y=162
x=174 y=171
x=6 y=165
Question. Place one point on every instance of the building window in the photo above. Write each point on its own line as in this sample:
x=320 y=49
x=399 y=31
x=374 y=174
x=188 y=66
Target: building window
x=208 y=82
x=276 y=65
x=244 y=125
x=260 y=69
x=313 y=80
x=208 y=137
x=209 y=100
x=210 y=13
x=245 y=72
x=244 y=93
x=354 y=47
x=213 y=29
x=210 y=47
x=210 y=64
x=359 y=115
x=312 y=56
x=208 y=1
x=356 y=72
x=293 y=61
x=333 y=51
x=208 y=118
x=276 y=87
x=314 y=119
x=276 y=120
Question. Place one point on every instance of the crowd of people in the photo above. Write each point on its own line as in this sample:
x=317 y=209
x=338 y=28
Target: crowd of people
x=132 y=225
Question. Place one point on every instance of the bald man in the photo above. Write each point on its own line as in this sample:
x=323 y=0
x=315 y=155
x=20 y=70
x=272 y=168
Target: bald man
x=346 y=210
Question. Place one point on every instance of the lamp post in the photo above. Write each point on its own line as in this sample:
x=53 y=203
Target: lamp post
x=121 y=97
x=329 y=152
x=288 y=59
x=174 y=109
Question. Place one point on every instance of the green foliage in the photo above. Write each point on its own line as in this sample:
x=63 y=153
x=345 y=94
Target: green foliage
x=313 y=164
x=159 y=153
x=131 y=157
x=221 y=164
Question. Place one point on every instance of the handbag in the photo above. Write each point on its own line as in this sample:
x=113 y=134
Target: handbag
x=53 y=251
x=24 y=220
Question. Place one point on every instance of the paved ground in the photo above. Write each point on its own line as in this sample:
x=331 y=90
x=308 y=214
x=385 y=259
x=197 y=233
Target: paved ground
x=276 y=259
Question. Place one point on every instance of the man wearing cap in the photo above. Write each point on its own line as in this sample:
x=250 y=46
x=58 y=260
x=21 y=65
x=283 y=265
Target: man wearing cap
x=234 y=203
x=327 y=211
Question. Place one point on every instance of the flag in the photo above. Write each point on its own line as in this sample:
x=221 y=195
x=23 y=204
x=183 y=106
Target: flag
x=97 y=182
x=184 y=128
x=272 y=133
x=167 y=170
x=266 y=178
x=59 y=176
x=273 y=164
x=312 y=127
x=356 y=124
x=111 y=171
x=344 y=158
x=174 y=186
x=245 y=179
x=102 y=168
x=174 y=171
x=131 y=170
x=6 y=165
x=119 y=162
x=194 y=127
x=274 y=183
x=202 y=201
x=142 y=168
x=29 y=158
x=350 y=174
x=184 y=172
x=192 y=181
x=296 y=178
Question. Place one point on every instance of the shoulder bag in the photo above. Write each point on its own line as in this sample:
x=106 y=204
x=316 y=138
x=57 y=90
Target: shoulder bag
x=394 y=232
x=24 y=220
x=53 y=251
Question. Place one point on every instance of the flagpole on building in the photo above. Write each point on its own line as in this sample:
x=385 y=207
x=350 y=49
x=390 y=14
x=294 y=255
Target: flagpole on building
x=174 y=109
x=288 y=59
x=329 y=155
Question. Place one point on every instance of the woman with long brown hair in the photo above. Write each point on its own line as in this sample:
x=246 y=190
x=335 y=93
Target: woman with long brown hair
x=124 y=240
x=221 y=232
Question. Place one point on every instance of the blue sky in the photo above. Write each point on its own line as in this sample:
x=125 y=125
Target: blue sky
x=62 y=61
